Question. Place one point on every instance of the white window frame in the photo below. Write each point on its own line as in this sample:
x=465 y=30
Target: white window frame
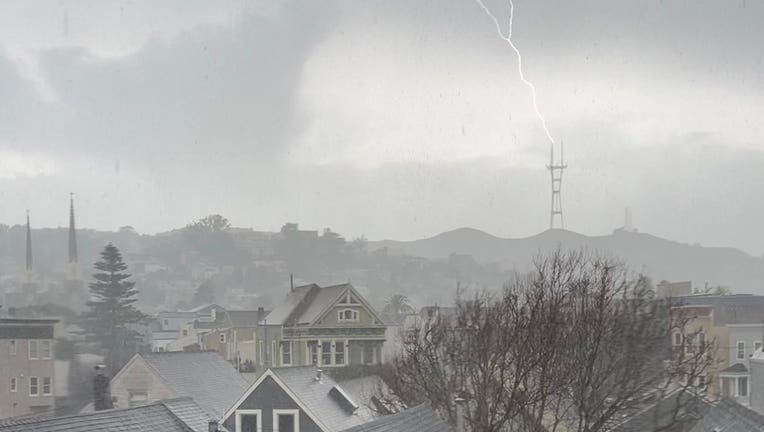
x=274 y=350
x=221 y=338
x=737 y=350
x=677 y=335
x=344 y=353
x=281 y=353
x=131 y=403
x=36 y=386
x=14 y=385
x=309 y=353
x=241 y=412
x=261 y=352
x=50 y=386
x=321 y=353
x=42 y=353
x=356 y=317
x=13 y=347
x=295 y=413
x=36 y=350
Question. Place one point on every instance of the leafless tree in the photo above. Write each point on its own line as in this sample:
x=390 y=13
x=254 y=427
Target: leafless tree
x=574 y=345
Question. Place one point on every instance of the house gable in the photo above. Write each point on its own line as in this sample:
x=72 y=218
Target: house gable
x=352 y=305
x=267 y=394
x=138 y=377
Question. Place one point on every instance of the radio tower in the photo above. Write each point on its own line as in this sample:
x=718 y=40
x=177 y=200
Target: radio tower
x=555 y=171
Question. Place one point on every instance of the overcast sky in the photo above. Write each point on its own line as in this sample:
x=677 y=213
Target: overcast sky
x=391 y=119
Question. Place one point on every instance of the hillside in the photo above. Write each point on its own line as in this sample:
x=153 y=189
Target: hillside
x=658 y=258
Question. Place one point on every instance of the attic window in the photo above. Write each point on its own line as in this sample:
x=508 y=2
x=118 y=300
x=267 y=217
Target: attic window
x=347 y=315
x=342 y=398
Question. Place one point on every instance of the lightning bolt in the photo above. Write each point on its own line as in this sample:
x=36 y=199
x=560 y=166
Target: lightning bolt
x=508 y=39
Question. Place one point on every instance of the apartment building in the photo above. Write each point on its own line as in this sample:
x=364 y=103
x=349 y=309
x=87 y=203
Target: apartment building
x=27 y=368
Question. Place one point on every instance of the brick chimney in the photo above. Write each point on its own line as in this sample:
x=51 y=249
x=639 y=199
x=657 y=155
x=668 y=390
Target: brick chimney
x=101 y=392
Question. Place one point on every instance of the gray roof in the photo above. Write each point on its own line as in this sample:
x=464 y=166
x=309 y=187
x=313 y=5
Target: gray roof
x=367 y=391
x=315 y=396
x=213 y=382
x=324 y=298
x=244 y=318
x=728 y=415
x=664 y=414
x=189 y=412
x=307 y=303
x=281 y=312
x=420 y=418
x=147 y=418
x=736 y=368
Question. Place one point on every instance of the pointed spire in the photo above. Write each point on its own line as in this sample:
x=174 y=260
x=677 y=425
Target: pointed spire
x=72 y=232
x=29 y=245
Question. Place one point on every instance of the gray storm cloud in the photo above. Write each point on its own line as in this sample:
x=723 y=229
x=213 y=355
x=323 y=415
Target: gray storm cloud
x=398 y=119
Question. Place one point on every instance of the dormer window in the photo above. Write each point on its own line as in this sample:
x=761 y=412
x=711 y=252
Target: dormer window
x=347 y=315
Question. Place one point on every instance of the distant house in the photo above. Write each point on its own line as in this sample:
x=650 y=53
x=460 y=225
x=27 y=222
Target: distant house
x=325 y=326
x=744 y=341
x=27 y=366
x=205 y=376
x=295 y=399
x=174 y=415
x=234 y=338
x=167 y=326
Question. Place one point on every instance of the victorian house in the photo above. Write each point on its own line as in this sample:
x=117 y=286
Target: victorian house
x=323 y=326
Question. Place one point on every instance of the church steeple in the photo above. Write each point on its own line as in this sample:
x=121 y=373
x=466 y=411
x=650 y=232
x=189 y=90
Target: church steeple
x=72 y=232
x=29 y=246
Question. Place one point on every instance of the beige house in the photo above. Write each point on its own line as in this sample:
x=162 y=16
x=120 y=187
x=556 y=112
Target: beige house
x=27 y=367
x=325 y=326
x=208 y=378
x=703 y=329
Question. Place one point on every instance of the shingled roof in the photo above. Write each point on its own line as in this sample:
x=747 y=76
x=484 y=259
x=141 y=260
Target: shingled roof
x=420 y=418
x=728 y=415
x=148 y=418
x=315 y=395
x=213 y=383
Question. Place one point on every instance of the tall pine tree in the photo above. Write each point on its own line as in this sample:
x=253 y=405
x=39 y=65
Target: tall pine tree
x=111 y=309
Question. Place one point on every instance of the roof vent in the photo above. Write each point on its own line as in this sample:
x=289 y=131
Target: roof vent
x=339 y=395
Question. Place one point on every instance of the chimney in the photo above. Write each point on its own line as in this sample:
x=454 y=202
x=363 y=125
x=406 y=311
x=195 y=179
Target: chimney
x=212 y=426
x=291 y=282
x=318 y=375
x=260 y=311
x=460 y=414
x=101 y=392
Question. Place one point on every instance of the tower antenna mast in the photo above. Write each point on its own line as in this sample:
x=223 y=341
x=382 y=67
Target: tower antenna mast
x=555 y=172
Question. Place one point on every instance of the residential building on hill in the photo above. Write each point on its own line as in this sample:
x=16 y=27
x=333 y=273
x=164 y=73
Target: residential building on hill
x=324 y=326
x=235 y=337
x=166 y=327
x=27 y=366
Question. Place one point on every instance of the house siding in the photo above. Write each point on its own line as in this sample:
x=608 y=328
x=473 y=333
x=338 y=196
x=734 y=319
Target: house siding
x=138 y=377
x=267 y=397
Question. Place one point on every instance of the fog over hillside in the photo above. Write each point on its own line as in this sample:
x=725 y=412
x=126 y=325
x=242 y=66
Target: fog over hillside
x=656 y=257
